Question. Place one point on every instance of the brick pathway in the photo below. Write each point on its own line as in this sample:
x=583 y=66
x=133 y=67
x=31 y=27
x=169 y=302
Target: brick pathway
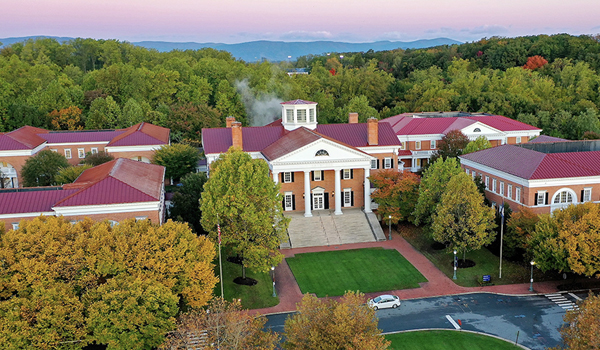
x=438 y=283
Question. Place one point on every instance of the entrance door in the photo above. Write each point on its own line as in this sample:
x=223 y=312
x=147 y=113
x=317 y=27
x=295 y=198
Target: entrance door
x=318 y=201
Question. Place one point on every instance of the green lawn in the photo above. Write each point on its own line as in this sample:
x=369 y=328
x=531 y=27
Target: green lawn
x=367 y=270
x=253 y=297
x=486 y=262
x=446 y=340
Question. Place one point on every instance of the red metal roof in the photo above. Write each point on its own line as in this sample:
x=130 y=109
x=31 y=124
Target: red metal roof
x=255 y=138
x=30 y=200
x=142 y=134
x=25 y=137
x=502 y=123
x=81 y=136
x=290 y=142
x=298 y=102
x=546 y=138
x=106 y=191
x=356 y=135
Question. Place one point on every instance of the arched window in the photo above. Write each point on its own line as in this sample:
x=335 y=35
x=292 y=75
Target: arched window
x=321 y=152
x=563 y=197
x=477 y=130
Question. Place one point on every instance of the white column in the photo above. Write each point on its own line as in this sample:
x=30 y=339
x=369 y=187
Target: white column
x=307 y=211
x=338 y=192
x=367 y=190
x=275 y=177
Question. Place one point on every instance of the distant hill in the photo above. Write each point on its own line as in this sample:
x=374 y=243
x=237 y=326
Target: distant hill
x=275 y=50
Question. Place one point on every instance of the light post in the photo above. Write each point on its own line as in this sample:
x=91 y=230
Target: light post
x=273 y=277
x=455 y=263
x=531 y=280
x=390 y=227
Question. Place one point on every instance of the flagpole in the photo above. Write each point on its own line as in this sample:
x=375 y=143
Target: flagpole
x=220 y=264
x=501 y=235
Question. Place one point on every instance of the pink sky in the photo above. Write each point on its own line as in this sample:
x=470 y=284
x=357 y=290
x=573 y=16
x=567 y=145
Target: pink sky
x=232 y=21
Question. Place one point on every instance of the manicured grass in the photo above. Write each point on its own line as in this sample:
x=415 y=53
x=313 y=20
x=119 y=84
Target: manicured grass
x=367 y=270
x=486 y=262
x=446 y=340
x=253 y=297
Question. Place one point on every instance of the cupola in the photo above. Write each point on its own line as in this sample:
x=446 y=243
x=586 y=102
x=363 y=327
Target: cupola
x=297 y=113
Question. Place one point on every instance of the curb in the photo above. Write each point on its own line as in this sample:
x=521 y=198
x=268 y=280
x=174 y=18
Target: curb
x=459 y=330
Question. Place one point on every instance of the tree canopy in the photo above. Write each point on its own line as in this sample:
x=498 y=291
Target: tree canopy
x=186 y=200
x=178 y=159
x=396 y=194
x=582 y=326
x=480 y=143
x=41 y=169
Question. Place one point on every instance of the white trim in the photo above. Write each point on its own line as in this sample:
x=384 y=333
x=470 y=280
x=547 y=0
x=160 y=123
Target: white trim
x=107 y=208
x=114 y=149
x=78 y=143
x=26 y=215
x=379 y=149
x=22 y=152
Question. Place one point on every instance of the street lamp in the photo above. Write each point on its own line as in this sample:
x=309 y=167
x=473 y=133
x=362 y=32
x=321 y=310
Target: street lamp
x=455 y=265
x=273 y=277
x=390 y=227
x=531 y=280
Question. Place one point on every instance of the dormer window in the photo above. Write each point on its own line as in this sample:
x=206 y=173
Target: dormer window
x=321 y=152
x=299 y=113
x=477 y=130
x=289 y=116
x=311 y=114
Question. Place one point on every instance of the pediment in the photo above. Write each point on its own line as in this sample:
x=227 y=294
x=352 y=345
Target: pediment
x=478 y=129
x=323 y=151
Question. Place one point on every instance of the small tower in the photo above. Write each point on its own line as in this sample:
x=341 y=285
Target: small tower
x=297 y=113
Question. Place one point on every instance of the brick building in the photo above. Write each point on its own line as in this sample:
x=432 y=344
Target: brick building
x=419 y=133
x=543 y=176
x=137 y=142
x=318 y=166
x=117 y=190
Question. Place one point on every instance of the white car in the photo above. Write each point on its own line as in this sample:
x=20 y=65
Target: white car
x=384 y=301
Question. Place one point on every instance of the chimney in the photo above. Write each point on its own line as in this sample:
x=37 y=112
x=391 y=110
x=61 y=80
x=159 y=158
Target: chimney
x=373 y=131
x=353 y=118
x=236 y=135
x=229 y=120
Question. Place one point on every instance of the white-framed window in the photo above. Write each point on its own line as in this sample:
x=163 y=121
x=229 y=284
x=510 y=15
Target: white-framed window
x=81 y=152
x=563 y=197
x=487 y=182
x=140 y=218
x=417 y=144
x=501 y=188
x=311 y=115
x=493 y=185
x=54 y=150
x=518 y=194
x=289 y=115
x=587 y=194
x=473 y=175
x=467 y=171
x=387 y=163
x=94 y=150
x=289 y=201
x=374 y=163
x=68 y=153
x=317 y=175
x=509 y=191
x=494 y=205
x=433 y=145
x=287 y=177
x=346 y=174
x=347 y=199
x=301 y=115
x=541 y=198
x=321 y=153
x=518 y=139
x=15 y=225
x=113 y=223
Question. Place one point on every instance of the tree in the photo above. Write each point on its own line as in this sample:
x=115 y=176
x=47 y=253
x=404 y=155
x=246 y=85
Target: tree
x=186 y=199
x=535 y=62
x=67 y=119
x=462 y=218
x=104 y=114
x=329 y=324
x=178 y=159
x=582 y=325
x=41 y=169
x=70 y=174
x=451 y=145
x=132 y=114
x=225 y=326
x=67 y=285
x=186 y=121
x=480 y=143
x=396 y=193
x=241 y=196
x=519 y=229
x=430 y=191
x=95 y=159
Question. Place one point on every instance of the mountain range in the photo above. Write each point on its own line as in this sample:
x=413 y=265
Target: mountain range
x=273 y=50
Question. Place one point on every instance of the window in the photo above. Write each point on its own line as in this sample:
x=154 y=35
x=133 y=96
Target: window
x=518 y=139
x=374 y=163
x=433 y=144
x=289 y=115
x=287 y=177
x=563 y=197
x=81 y=152
x=501 y=188
x=494 y=205
x=317 y=175
x=487 y=182
x=518 y=195
x=346 y=174
x=68 y=153
x=15 y=225
x=347 y=199
x=587 y=195
x=321 y=152
x=311 y=115
x=301 y=115
x=140 y=218
x=54 y=150
x=467 y=171
x=541 y=198
x=94 y=150
x=387 y=163
x=289 y=201
x=417 y=144
x=493 y=185
x=473 y=175
x=476 y=130
x=509 y=191
x=113 y=223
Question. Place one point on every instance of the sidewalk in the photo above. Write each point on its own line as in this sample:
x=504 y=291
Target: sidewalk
x=439 y=284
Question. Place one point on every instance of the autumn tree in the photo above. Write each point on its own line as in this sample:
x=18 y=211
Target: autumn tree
x=70 y=174
x=461 y=217
x=329 y=324
x=41 y=169
x=186 y=199
x=67 y=119
x=178 y=159
x=535 y=62
x=451 y=145
x=66 y=285
x=519 y=229
x=430 y=190
x=223 y=325
x=582 y=326
x=396 y=193
x=242 y=197
x=480 y=143
x=97 y=158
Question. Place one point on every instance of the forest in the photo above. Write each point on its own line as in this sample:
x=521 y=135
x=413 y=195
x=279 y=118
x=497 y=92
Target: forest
x=551 y=82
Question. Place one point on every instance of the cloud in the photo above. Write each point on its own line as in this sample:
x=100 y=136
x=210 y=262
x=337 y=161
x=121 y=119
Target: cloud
x=303 y=35
x=487 y=30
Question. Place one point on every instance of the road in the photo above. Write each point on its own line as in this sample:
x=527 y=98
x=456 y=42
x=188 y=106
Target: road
x=536 y=318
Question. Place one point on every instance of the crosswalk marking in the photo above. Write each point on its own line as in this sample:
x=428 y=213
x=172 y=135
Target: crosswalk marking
x=560 y=300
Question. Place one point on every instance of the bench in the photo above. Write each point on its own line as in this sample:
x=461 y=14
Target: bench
x=485 y=280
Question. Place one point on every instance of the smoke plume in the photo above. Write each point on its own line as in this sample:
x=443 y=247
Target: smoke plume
x=262 y=109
